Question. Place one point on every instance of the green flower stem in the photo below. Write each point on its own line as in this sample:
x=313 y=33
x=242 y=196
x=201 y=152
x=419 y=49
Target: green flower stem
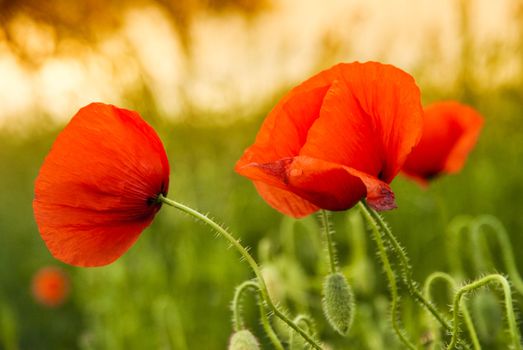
x=250 y=260
x=331 y=250
x=373 y=216
x=268 y=328
x=509 y=308
x=238 y=323
x=390 y=276
x=455 y=230
x=435 y=276
x=504 y=244
x=237 y=320
x=307 y=324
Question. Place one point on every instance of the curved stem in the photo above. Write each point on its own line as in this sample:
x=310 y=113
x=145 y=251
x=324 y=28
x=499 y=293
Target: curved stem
x=237 y=320
x=306 y=321
x=331 y=250
x=238 y=323
x=250 y=260
x=308 y=325
x=433 y=277
x=405 y=266
x=268 y=328
x=504 y=244
x=390 y=276
x=455 y=230
x=509 y=308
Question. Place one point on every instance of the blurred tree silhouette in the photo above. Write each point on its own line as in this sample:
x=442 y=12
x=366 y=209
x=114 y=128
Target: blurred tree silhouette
x=90 y=20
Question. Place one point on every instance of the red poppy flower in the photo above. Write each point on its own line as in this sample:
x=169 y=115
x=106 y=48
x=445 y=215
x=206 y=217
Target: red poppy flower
x=450 y=131
x=50 y=286
x=336 y=138
x=97 y=189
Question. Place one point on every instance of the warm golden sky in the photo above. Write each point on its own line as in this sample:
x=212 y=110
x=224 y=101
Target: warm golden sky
x=237 y=63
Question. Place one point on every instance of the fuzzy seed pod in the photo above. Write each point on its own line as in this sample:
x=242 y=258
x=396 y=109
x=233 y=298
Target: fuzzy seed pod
x=243 y=340
x=338 y=303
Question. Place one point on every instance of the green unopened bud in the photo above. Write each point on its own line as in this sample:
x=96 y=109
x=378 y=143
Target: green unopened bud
x=338 y=305
x=243 y=340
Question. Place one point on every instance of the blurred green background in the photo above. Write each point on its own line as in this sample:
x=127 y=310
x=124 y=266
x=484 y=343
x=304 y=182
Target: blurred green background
x=205 y=74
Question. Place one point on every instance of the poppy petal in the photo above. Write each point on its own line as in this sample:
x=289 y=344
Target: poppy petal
x=97 y=187
x=284 y=201
x=285 y=129
x=450 y=132
x=86 y=237
x=344 y=133
x=355 y=122
x=337 y=187
x=324 y=184
x=370 y=120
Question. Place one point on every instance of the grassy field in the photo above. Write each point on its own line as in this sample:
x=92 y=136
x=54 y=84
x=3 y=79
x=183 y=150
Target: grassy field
x=173 y=289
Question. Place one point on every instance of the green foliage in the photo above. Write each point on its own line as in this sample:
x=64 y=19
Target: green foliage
x=172 y=289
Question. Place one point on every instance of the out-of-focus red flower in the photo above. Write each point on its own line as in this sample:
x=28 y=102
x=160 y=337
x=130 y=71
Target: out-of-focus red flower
x=97 y=189
x=450 y=131
x=336 y=138
x=50 y=286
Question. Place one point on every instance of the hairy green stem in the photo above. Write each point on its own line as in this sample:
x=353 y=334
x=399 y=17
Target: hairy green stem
x=504 y=244
x=390 y=277
x=268 y=328
x=249 y=259
x=308 y=326
x=238 y=323
x=405 y=266
x=455 y=230
x=306 y=320
x=331 y=250
x=509 y=308
x=237 y=320
x=435 y=276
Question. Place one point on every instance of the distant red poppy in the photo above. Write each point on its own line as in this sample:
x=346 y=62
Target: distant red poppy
x=336 y=138
x=450 y=131
x=50 y=286
x=97 y=189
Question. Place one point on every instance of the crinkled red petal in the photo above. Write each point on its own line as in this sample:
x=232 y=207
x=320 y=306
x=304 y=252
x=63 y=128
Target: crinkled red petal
x=323 y=184
x=360 y=119
x=96 y=190
x=370 y=119
x=285 y=201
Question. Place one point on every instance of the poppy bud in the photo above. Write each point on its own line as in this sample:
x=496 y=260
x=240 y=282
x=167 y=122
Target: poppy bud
x=338 y=304
x=243 y=340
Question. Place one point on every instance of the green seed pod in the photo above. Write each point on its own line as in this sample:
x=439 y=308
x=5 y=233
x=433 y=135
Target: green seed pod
x=338 y=304
x=243 y=340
